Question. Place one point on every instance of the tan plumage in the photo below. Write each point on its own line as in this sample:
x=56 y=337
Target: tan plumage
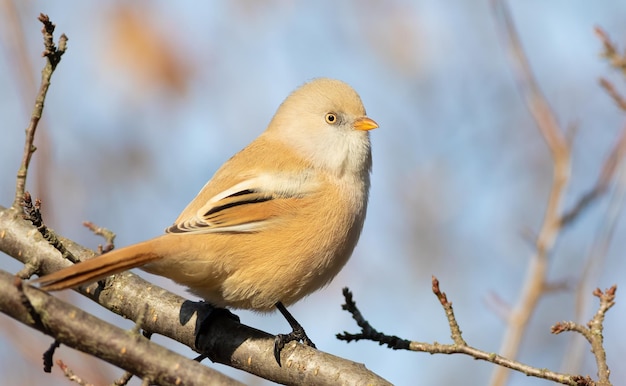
x=276 y=222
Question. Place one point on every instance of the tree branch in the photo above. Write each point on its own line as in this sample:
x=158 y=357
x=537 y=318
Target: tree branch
x=593 y=334
x=75 y=328
x=167 y=314
x=53 y=56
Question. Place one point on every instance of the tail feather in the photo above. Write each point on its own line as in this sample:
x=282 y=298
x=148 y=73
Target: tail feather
x=97 y=268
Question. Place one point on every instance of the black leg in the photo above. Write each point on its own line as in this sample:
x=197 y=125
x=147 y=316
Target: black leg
x=297 y=333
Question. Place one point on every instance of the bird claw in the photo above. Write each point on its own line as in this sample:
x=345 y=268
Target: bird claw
x=298 y=334
x=210 y=315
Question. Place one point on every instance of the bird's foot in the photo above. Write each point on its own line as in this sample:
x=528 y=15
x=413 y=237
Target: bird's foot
x=297 y=334
x=206 y=318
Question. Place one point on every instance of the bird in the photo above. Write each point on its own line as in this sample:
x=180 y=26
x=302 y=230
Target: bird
x=276 y=222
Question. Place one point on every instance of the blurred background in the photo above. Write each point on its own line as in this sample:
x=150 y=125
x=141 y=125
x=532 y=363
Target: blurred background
x=152 y=97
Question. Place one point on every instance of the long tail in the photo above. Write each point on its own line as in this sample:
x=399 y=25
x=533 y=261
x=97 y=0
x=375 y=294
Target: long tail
x=88 y=271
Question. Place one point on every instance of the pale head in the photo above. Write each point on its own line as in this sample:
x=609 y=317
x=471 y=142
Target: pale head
x=325 y=121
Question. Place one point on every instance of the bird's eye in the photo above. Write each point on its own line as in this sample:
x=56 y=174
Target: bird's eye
x=331 y=118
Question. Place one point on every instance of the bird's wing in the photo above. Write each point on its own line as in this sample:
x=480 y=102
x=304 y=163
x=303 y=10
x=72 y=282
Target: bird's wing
x=248 y=206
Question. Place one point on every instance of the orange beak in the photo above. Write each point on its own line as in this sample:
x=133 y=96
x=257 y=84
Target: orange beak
x=365 y=124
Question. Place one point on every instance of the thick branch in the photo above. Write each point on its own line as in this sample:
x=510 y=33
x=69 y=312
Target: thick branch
x=74 y=328
x=170 y=315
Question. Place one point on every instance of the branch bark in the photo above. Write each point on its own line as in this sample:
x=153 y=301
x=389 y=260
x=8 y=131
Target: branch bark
x=167 y=314
x=75 y=328
x=53 y=55
x=593 y=334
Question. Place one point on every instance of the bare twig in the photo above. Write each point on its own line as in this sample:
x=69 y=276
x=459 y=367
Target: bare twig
x=28 y=270
x=593 y=332
x=611 y=52
x=613 y=93
x=32 y=213
x=606 y=176
x=107 y=234
x=459 y=345
x=53 y=56
x=618 y=61
x=594 y=261
x=536 y=274
x=456 y=336
x=596 y=325
x=367 y=331
x=124 y=379
x=69 y=374
x=611 y=170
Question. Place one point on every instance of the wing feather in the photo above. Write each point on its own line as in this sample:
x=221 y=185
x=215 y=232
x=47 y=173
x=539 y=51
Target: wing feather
x=248 y=206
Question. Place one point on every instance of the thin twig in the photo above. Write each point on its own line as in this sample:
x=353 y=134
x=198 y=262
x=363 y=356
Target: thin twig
x=455 y=330
x=613 y=93
x=124 y=379
x=593 y=332
x=53 y=55
x=611 y=52
x=69 y=374
x=606 y=176
x=611 y=170
x=107 y=234
x=595 y=260
x=367 y=331
x=596 y=325
x=32 y=213
x=459 y=345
